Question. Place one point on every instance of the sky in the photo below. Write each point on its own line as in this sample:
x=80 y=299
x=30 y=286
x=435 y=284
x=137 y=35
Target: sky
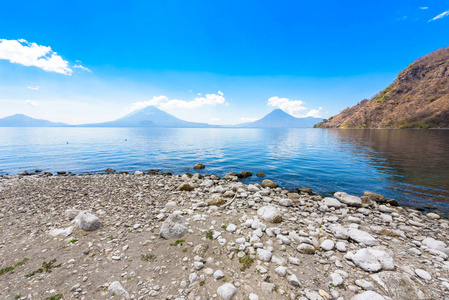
x=219 y=62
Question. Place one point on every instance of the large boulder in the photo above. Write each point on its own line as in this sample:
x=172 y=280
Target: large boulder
x=268 y=184
x=361 y=237
x=270 y=214
x=215 y=199
x=434 y=244
x=87 y=221
x=372 y=260
x=244 y=174
x=173 y=227
x=185 y=187
x=332 y=202
x=348 y=199
x=400 y=285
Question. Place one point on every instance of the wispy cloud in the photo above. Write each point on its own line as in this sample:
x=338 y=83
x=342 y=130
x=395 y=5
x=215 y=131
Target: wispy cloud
x=246 y=119
x=82 y=68
x=31 y=54
x=294 y=107
x=36 y=87
x=164 y=103
x=423 y=7
x=32 y=103
x=440 y=16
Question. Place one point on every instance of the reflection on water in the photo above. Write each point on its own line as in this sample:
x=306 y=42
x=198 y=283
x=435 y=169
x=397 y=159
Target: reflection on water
x=409 y=165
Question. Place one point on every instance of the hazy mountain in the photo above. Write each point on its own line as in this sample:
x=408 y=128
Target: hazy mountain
x=418 y=98
x=20 y=120
x=149 y=116
x=280 y=119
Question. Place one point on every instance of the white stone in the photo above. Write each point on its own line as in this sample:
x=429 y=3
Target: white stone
x=117 y=289
x=285 y=202
x=264 y=255
x=198 y=265
x=332 y=202
x=366 y=285
x=87 y=221
x=173 y=227
x=368 y=295
x=270 y=214
x=281 y=271
x=327 y=245
x=218 y=275
x=61 y=232
x=253 y=297
x=436 y=245
x=293 y=280
x=336 y=279
x=372 y=260
x=306 y=249
x=226 y=291
x=231 y=228
x=348 y=199
x=341 y=246
x=423 y=274
x=361 y=237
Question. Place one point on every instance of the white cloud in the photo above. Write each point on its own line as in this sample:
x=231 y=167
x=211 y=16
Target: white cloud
x=32 y=103
x=290 y=106
x=31 y=54
x=81 y=67
x=246 y=119
x=293 y=107
x=423 y=7
x=440 y=16
x=316 y=113
x=36 y=87
x=214 y=120
x=163 y=102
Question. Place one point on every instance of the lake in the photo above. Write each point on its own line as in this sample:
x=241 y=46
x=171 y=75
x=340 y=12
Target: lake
x=411 y=166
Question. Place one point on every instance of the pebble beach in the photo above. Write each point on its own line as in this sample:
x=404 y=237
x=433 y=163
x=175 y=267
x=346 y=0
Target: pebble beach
x=161 y=236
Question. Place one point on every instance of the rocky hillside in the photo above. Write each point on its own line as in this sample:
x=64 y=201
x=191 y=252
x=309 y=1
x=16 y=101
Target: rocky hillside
x=418 y=98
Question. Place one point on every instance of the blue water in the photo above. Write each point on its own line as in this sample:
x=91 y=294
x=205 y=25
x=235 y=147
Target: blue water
x=411 y=166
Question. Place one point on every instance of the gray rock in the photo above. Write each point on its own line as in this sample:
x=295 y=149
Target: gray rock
x=293 y=280
x=361 y=237
x=372 y=260
x=375 y=197
x=251 y=295
x=339 y=231
x=312 y=295
x=218 y=275
x=281 y=271
x=423 y=274
x=436 y=245
x=264 y=255
x=199 y=166
x=226 y=291
x=138 y=173
x=336 y=279
x=348 y=199
x=399 y=285
x=173 y=227
x=215 y=199
x=252 y=188
x=332 y=202
x=327 y=245
x=270 y=214
x=366 y=285
x=116 y=288
x=306 y=249
x=61 y=232
x=285 y=202
x=268 y=184
x=341 y=246
x=87 y=221
x=267 y=287
x=184 y=187
x=368 y=295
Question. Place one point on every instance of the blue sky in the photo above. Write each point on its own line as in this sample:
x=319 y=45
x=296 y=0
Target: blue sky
x=219 y=62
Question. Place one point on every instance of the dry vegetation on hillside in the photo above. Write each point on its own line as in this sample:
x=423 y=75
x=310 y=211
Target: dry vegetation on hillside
x=418 y=98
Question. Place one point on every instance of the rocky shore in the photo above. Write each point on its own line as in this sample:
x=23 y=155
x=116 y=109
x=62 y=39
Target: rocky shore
x=155 y=236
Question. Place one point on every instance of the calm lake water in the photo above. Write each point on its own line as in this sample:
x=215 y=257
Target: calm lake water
x=411 y=166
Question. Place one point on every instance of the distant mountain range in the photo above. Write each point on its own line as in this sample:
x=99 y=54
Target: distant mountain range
x=418 y=98
x=20 y=120
x=151 y=116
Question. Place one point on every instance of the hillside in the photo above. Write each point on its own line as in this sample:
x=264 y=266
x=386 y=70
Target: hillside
x=418 y=98
x=280 y=119
x=149 y=116
x=20 y=120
